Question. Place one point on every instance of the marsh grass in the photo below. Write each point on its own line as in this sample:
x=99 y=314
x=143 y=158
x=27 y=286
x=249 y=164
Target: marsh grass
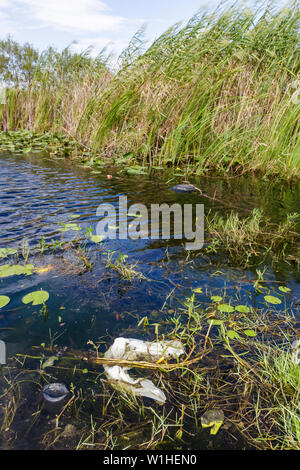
x=216 y=93
x=253 y=238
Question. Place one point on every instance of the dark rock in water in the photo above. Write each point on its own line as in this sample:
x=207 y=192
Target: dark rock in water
x=55 y=392
x=184 y=188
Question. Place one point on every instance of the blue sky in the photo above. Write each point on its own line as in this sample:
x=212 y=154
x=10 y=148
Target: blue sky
x=92 y=22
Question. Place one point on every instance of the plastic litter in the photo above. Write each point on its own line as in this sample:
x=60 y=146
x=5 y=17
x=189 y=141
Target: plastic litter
x=55 y=392
x=136 y=350
x=212 y=419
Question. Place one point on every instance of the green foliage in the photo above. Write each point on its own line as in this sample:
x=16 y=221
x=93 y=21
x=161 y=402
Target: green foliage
x=36 y=298
x=16 y=270
x=4 y=252
x=214 y=94
x=4 y=300
x=18 y=63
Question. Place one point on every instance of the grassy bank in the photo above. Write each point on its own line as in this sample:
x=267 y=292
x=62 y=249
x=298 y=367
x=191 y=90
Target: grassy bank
x=219 y=93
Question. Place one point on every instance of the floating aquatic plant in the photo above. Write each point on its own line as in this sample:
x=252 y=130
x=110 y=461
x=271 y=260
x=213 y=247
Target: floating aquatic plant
x=38 y=297
x=4 y=252
x=7 y=270
x=4 y=300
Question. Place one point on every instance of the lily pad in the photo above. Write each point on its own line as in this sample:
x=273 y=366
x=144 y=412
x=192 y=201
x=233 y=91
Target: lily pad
x=4 y=252
x=216 y=298
x=4 y=300
x=272 y=300
x=16 y=270
x=284 y=289
x=97 y=238
x=242 y=309
x=36 y=298
x=226 y=308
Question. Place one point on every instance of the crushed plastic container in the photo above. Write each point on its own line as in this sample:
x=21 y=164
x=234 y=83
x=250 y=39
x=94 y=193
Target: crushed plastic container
x=55 y=392
x=137 y=350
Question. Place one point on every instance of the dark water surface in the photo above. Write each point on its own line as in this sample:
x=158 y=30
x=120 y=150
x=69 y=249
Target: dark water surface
x=37 y=194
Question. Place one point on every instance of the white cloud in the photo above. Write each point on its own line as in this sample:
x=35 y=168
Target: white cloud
x=71 y=15
x=98 y=43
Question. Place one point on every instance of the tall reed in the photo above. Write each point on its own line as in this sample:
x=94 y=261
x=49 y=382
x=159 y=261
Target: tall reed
x=218 y=93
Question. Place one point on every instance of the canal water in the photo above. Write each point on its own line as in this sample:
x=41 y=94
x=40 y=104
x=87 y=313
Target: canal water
x=39 y=194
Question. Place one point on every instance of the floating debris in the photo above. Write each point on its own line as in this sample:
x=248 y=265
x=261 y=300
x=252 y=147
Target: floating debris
x=184 y=188
x=55 y=392
x=137 y=350
x=212 y=419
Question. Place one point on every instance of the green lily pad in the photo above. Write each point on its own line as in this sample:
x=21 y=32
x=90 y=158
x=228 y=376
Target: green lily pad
x=36 y=298
x=284 y=289
x=216 y=298
x=4 y=252
x=212 y=419
x=97 y=238
x=4 y=300
x=242 y=309
x=226 y=308
x=272 y=300
x=16 y=270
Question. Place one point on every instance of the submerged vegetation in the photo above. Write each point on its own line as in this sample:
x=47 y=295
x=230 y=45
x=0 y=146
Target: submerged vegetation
x=219 y=93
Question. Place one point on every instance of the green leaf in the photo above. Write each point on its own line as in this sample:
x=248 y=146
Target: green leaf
x=284 y=289
x=272 y=300
x=233 y=334
x=37 y=298
x=49 y=362
x=4 y=300
x=216 y=298
x=225 y=308
x=4 y=252
x=242 y=309
x=250 y=333
x=97 y=238
x=136 y=171
x=216 y=322
x=16 y=270
x=198 y=290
